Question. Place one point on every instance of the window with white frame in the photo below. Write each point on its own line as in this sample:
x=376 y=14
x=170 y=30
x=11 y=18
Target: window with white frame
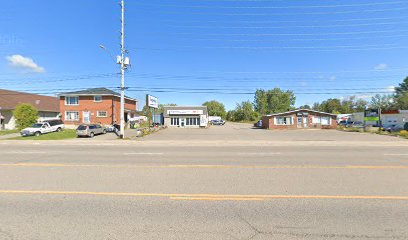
x=283 y=121
x=175 y=122
x=326 y=120
x=192 y=121
x=102 y=114
x=71 y=100
x=72 y=116
x=317 y=120
x=97 y=98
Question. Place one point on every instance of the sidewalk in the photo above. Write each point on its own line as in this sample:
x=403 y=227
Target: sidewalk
x=11 y=135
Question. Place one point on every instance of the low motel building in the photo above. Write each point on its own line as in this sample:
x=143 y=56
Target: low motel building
x=95 y=105
x=300 y=119
x=47 y=106
x=185 y=117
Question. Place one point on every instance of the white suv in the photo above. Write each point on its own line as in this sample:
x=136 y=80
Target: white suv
x=43 y=128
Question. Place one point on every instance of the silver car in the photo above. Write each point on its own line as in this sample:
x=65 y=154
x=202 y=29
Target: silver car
x=90 y=130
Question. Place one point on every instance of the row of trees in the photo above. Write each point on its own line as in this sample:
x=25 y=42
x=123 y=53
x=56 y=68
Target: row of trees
x=277 y=100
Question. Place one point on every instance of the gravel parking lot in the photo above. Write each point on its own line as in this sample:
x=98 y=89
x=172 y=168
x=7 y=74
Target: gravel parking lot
x=245 y=132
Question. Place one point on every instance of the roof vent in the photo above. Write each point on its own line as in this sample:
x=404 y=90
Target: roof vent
x=37 y=102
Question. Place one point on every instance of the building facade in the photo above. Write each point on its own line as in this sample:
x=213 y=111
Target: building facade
x=300 y=119
x=185 y=117
x=96 y=105
x=48 y=107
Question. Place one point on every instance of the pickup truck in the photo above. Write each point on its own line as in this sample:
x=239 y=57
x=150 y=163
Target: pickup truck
x=41 y=128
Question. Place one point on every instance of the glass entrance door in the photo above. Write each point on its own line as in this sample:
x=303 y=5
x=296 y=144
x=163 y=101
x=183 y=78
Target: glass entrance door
x=182 y=122
x=299 y=122
x=305 y=122
x=86 y=117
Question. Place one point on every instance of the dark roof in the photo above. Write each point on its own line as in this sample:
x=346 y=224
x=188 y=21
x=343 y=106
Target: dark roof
x=94 y=92
x=299 y=110
x=10 y=99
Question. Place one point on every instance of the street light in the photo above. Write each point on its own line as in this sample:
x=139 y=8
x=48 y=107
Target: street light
x=109 y=52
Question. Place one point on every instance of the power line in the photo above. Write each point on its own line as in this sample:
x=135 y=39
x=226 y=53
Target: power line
x=294 y=39
x=279 y=21
x=286 y=14
x=285 y=27
x=312 y=48
x=275 y=7
x=295 y=34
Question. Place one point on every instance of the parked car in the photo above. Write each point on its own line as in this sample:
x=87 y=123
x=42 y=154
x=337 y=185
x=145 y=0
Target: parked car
x=357 y=124
x=219 y=122
x=43 y=128
x=90 y=130
x=392 y=128
x=345 y=123
x=258 y=124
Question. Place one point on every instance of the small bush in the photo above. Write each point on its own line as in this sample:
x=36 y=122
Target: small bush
x=25 y=115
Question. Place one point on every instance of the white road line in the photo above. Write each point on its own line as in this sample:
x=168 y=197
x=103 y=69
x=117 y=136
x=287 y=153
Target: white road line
x=23 y=152
x=136 y=153
x=261 y=154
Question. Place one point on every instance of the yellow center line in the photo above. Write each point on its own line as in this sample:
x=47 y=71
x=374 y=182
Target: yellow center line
x=201 y=166
x=216 y=199
x=179 y=196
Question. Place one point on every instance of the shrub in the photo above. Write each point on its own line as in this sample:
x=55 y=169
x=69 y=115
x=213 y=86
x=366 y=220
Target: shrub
x=25 y=115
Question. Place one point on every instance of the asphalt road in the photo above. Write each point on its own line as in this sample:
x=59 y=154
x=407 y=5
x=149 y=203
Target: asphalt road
x=230 y=182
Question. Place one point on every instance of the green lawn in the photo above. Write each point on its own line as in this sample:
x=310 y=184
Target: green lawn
x=5 y=132
x=66 y=134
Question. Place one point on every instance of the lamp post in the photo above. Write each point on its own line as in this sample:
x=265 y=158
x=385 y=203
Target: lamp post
x=124 y=62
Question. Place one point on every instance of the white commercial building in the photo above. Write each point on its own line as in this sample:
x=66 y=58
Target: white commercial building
x=185 y=116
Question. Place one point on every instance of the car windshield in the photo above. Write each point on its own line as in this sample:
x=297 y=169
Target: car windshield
x=82 y=127
x=37 y=125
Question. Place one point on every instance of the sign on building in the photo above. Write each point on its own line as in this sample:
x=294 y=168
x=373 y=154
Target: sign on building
x=372 y=115
x=185 y=112
x=152 y=102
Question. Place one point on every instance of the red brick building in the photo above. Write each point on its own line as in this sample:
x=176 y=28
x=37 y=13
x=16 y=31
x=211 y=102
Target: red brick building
x=95 y=105
x=300 y=119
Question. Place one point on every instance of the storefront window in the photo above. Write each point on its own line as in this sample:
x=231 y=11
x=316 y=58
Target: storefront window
x=283 y=121
x=175 y=122
x=325 y=120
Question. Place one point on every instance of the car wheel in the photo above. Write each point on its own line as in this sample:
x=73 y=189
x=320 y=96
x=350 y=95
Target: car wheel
x=91 y=135
x=37 y=134
x=59 y=129
x=104 y=131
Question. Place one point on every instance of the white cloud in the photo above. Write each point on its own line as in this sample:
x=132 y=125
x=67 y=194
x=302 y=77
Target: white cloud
x=390 y=89
x=332 y=78
x=26 y=63
x=381 y=66
x=303 y=84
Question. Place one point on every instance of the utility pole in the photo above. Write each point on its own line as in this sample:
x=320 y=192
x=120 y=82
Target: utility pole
x=122 y=73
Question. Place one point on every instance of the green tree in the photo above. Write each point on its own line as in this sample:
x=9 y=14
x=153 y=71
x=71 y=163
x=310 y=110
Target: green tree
x=231 y=115
x=25 y=115
x=401 y=101
x=216 y=109
x=360 y=105
x=402 y=88
x=331 y=105
x=161 y=107
x=382 y=101
x=305 y=107
x=316 y=106
x=244 y=112
x=273 y=101
x=261 y=101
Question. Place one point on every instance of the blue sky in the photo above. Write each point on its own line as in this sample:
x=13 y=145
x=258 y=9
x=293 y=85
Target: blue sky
x=319 y=49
